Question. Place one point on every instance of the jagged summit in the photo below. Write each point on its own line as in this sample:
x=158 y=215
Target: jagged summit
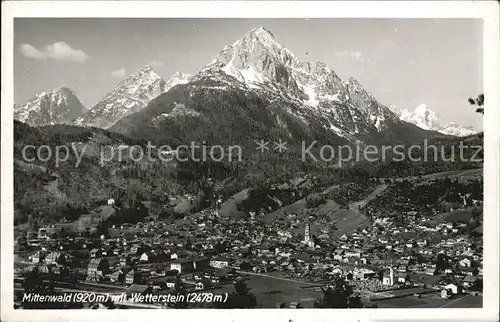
x=260 y=62
x=309 y=95
x=259 y=58
x=146 y=68
x=423 y=110
x=63 y=89
x=57 y=106
x=427 y=119
x=178 y=78
x=261 y=30
x=129 y=96
x=422 y=116
x=146 y=73
x=256 y=58
x=264 y=36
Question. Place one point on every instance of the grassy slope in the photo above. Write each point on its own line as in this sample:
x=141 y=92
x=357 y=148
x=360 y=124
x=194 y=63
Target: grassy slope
x=346 y=220
x=229 y=208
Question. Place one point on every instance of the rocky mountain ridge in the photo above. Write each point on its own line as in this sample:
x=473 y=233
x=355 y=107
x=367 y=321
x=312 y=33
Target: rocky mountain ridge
x=57 y=106
x=427 y=119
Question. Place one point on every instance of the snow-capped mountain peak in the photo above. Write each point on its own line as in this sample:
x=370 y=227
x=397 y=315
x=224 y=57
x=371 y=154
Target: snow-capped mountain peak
x=264 y=37
x=178 y=78
x=145 y=76
x=254 y=58
x=427 y=119
x=129 y=96
x=57 y=106
x=146 y=69
x=260 y=88
x=422 y=115
x=424 y=112
x=259 y=62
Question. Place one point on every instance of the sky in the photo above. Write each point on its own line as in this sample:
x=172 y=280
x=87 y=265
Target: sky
x=402 y=62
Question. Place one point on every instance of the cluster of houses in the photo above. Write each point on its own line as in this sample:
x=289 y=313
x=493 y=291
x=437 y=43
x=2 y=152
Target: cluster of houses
x=381 y=256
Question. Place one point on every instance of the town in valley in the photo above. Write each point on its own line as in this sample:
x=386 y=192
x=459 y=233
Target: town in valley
x=264 y=230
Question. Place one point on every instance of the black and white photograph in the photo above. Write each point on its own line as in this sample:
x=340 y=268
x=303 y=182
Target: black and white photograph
x=250 y=163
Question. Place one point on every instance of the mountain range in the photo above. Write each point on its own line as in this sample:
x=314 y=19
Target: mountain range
x=255 y=88
x=57 y=106
x=129 y=96
x=426 y=119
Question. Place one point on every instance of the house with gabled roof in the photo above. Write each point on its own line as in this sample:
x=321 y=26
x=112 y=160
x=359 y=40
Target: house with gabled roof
x=97 y=268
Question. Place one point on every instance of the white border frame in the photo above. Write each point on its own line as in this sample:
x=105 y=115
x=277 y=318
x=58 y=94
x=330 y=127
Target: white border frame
x=486 y=10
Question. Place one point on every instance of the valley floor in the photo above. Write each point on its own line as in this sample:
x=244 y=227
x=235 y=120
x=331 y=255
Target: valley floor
x=383 y=243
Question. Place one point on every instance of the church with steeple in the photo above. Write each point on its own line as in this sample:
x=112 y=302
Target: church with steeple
x=307 y=235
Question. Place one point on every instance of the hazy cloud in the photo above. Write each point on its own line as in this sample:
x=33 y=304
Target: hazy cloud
x=119 y=73
x=354 y=54
x=57 y=51
x=156 y=63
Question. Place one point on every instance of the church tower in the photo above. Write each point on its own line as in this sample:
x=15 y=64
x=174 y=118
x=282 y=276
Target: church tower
x=307 y=233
